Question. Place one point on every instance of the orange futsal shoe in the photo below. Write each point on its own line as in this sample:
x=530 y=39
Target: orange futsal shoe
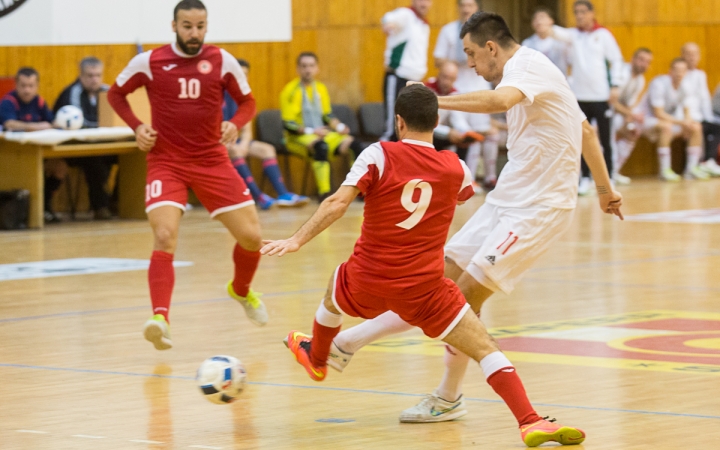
x=299 y=345
x=548 y=431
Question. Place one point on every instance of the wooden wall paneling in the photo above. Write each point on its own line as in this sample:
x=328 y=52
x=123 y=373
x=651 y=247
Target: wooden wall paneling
x=676 y=12
x=711 y=56
x=371 y=65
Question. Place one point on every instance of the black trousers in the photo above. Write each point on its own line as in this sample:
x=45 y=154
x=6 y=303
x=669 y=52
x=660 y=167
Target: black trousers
x=96 y=170
x=391 y=89
x=711 y=133
x=599 y=112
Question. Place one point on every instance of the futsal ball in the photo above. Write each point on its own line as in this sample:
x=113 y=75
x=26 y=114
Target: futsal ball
x=221 y=379
x=69 y=117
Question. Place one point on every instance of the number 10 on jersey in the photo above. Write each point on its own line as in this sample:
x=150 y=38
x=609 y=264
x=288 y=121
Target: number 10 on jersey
x=189 y=88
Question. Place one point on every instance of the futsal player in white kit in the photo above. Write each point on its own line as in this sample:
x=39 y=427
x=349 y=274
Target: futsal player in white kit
x=529 y=209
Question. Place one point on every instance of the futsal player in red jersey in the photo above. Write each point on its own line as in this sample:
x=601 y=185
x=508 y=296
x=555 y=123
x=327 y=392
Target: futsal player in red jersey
x=185 y=82
x=398 y=262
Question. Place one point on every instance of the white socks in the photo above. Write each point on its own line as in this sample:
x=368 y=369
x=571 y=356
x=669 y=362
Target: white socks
x=490 y=153
x=456 y=363
x=327 y=319
x=493 y=362
x=693 y=156
x=472 y=159
x=664 y=158
x=357 y=337
x=624 y=150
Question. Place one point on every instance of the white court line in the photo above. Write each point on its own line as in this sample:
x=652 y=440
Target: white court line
x=141 y=441
x=205 y=446
x=32 y=431
x=87 y=436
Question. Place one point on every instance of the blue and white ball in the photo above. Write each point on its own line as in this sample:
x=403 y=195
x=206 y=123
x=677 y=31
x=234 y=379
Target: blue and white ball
x=69 y=117
x=221 y=379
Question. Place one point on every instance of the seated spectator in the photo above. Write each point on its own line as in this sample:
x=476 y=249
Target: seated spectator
x=627 y=121
x=83 y=93
x=310 y=128
x=543 y=41
x=449 y=48
x=247 y=146
x=666 y=108
x=24 y=110
x=696 y=85
x=453 y=131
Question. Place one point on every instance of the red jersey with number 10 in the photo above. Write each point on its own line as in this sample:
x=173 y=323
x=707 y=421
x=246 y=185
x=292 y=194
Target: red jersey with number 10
x=411 y=191
x=186 y=96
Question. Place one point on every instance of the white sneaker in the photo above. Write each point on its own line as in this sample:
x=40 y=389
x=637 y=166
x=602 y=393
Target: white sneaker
x=157 y=331
x=696 y=173
x=621 y=180
x=669 y=175
x=711 y=168
x=585 y=186
x=338 y=359
x=254 y=307
x=434 y=409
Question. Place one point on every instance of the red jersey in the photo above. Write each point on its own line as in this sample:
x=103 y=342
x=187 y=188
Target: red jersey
x=411 y=191
x=186 y=96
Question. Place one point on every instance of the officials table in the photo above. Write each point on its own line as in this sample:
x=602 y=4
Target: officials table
x=21 y=167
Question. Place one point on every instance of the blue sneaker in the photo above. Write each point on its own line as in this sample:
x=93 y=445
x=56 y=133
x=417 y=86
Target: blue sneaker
x=289 y=200
x=266 y=202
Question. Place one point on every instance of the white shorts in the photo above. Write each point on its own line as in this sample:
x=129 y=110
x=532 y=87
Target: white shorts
x=498 y=245
x=651 y=122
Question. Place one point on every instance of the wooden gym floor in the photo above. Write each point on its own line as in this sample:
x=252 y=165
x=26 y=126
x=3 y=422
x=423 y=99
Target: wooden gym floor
x=628 y=347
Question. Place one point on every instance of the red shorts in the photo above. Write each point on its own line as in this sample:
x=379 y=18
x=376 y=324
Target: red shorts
x=218 y=186
x=436 y=312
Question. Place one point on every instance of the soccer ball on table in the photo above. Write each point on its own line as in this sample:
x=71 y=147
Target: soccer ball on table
x=221 y=379
x=69 y=117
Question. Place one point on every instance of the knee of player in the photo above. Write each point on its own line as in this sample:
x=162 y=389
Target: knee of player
x=165 y=238
x=321 y=151
x=265 y=150
x=696 y=128
x=251 y=242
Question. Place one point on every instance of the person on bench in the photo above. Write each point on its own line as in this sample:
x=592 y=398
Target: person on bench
x=24 y=110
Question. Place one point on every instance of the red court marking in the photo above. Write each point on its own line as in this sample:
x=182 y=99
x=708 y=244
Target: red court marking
x=673 y=325
x=674 y=343
x=593 y=349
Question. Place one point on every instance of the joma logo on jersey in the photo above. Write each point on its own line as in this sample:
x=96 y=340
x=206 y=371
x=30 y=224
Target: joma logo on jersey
x=491 y=258
x=8 y=6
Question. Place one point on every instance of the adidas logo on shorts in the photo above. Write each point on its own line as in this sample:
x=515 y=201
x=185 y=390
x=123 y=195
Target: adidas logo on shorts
x=491 y=258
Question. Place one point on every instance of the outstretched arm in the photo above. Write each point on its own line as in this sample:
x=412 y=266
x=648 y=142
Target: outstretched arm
x=610 y=200
x=329 y=211
x=486 y=102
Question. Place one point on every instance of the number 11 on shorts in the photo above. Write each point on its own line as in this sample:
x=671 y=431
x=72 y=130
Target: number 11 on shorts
x=508 y=242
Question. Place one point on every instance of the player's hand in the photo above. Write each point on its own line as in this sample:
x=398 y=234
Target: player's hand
x=271 y=248
x=611 y=203
x=321 y=131
x=229 y=133
x=146 y=137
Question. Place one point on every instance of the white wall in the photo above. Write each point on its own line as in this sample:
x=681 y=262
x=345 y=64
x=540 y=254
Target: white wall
x=68 y=22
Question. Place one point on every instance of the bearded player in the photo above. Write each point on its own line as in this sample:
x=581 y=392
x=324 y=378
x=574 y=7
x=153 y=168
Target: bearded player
x=186 y=142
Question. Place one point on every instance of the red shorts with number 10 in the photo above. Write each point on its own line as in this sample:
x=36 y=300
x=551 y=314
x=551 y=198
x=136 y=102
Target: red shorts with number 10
x=436 y=311
x=218 y=186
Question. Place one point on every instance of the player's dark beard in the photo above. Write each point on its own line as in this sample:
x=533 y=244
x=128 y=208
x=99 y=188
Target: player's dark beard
x=184 y=46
